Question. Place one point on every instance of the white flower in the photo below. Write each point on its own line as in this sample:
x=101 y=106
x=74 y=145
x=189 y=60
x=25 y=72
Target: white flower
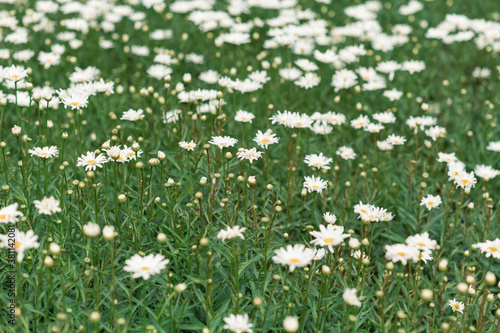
x=189 y=146
x=108 y=232
x=238 y=323
x=465 y=180
x=223 y=141
x=10 y=214
x=431 y=201
x=350 y=297
x=400 y=252
x=294 y=256
x=330 y=218
x=346 y=153
x=20 y=242
x=318 y=161
x=145 y=266
x=244 y=116
x=491 y=248
x=45 y=152
x=133 y=115
x=14 y=73
x=231 y=233
x=265 y=139
x=91 y=229
x=47 y=206
x=485 y=171
x=91 y=162
x=291 y=324
x=329 y=236
x=249 y=154
x=421 y=242
x=456 y=306
x=315 y=184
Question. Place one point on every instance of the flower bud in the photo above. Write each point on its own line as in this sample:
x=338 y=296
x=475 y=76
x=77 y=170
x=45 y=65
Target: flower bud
x=291 y=324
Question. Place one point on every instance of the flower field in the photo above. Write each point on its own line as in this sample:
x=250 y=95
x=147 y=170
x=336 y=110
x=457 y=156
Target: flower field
x=249 y=166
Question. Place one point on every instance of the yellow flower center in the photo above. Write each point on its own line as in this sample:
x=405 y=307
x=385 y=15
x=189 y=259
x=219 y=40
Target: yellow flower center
x=402 y=254
x=90 y=161
x=317 y=164
x=294 y=260
x=430 y=203
x=4 y=216
x=265 y=140
x=14 y=77
x=420 y=244
x=145 y=268
x=44 y=154
x=75 y=103
x=492 y=249
x=464 y=181
x=456 y=307
x=329 y=240
x=17 y=245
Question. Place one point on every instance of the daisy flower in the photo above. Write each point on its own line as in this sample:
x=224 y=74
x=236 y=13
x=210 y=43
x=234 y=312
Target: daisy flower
x=249 y=154
x=223 y=141
x=346 y=153
x=318 y=161
x=423 y=256
x=132 y=115
x=465 y=180
x=350 y=298
x=238 y=323
x=431 y=201
x=10 y=214
x=74 y=99
x=396 y=140
x=329 y=236
x=400 y=252
x=315 y=184
x=329 y=218
x=265 y=139
x=22 y=242
x=421 y=242
x=130 y=154
x=319 y=254
x=491 y=248
x=493 y=146
x=360 y=122
x=45 y=152
x=231 y=233
x=47 y=206
x=189 y=146
x=244 y=116
x=14 y=73
x=91 y=229
x=91 y=161
x=294 y=256
x=145 y=266
x=485 y=172
x=385 y=117
x=456 y=306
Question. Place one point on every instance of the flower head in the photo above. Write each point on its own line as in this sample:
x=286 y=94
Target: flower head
x=47 y=206
x=329 y=236
x=133 y=115
x=294 y=256
x=146 y=266
x=10 y=214
x=22 y=242
x=238 y=323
